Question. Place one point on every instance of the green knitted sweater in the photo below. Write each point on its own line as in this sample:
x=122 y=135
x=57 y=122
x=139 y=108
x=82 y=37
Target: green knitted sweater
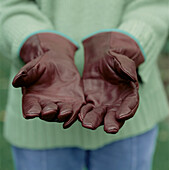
x=146 y=20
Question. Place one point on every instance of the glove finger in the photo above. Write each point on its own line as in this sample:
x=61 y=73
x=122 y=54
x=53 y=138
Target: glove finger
x=111 y=124
x=84 y=110
x=74 y=116
x=128 y=106
x=28 y=74
x=94 y=118
x=65 y=111
x=31 y=107
x=123 y=65
x=49 y=112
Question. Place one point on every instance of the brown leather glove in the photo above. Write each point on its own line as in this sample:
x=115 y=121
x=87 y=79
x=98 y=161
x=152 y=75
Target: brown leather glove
x=51 y=84
x=110 y=80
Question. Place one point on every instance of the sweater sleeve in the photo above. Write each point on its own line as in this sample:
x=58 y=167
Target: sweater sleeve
x=18 y=19
x=148 y=22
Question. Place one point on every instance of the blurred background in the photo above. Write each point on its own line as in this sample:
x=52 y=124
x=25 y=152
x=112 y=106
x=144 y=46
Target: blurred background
x=161 y=159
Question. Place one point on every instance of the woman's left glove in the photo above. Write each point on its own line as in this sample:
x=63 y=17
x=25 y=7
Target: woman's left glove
x=51 y=84
x=110 y=80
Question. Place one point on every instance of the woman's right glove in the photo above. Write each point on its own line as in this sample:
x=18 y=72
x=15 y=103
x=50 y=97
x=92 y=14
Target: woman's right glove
x=110 y=80
x=51 y=84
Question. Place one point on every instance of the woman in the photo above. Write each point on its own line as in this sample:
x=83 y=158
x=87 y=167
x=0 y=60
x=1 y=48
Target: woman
x=38 y=144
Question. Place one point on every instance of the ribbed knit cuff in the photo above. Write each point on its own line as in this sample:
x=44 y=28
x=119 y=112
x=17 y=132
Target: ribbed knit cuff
x=15 y=33
x=22 y=37
x=147 y=38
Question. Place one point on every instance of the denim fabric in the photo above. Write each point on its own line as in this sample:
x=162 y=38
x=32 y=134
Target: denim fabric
x=133 y=153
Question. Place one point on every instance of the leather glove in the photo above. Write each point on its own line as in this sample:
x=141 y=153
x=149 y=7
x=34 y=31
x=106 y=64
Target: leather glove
x=110 y=80
x=51 y=84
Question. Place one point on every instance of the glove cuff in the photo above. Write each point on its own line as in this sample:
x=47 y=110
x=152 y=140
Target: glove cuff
x=99 y=44
x=39 y=43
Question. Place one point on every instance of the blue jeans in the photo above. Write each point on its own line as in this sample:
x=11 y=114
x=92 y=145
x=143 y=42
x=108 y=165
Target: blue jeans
x=135 y=153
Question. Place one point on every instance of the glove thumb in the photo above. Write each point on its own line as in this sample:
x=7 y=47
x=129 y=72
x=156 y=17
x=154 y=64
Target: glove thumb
x=28 y=74
x=122 y=65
